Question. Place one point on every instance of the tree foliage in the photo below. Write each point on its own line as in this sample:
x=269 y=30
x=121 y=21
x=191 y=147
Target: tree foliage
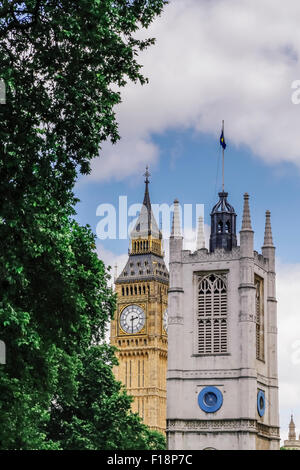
x=98 y=417
x=61 y=62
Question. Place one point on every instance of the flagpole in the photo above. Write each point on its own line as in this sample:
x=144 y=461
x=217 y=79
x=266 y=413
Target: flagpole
x=223 y=159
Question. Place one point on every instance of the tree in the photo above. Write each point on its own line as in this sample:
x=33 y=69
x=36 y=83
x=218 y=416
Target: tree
x=60 y=60
x=98 y=417
x=54 y=304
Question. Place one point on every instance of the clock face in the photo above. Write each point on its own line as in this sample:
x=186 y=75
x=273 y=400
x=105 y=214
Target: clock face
x=132 y=319
x=165 y=320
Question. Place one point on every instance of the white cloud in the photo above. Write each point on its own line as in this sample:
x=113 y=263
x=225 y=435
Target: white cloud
x=129 y=156
x=116 y=262
x=214 y=60
x=190 y=238
x=288 y=282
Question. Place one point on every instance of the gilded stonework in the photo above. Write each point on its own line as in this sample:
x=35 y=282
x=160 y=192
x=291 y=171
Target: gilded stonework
x=139 y=327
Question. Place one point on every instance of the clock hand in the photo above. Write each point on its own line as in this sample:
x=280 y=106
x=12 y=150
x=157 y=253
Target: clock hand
x=132 y=320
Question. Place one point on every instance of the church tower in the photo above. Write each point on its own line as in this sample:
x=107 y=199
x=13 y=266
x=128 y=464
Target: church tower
x=292 y=430
x=292 y=443
x=222 y=381
x=139 y=327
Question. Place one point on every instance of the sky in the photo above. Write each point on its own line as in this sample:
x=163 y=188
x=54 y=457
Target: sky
x=214 y=60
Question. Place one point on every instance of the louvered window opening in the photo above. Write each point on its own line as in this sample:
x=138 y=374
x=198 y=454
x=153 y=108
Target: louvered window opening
x=259 y=310
x=212 y=314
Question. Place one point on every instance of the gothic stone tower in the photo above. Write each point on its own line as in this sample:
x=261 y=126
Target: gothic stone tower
x=139 y=328
x=222 y=388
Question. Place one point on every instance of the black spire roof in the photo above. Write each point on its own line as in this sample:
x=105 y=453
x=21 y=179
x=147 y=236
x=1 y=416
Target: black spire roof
x=146 y=201
x=223 y=225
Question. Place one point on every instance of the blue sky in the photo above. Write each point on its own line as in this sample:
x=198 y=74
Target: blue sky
x=207 y=65
x=190 y=169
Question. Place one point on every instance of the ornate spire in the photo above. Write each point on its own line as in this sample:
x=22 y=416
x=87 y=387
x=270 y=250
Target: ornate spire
x=200 y=234
x=146 y=201
x=246 y=223
x=146 y=224
x=176 y=227
x=292 y=430
x=223 y=225
x=268 y=240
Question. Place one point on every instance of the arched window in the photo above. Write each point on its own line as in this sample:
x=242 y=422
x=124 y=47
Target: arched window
x=144 y=289
x=127 y=291
x=140 y=290
x=131 y=290
x=212 y=314
x=135 y=290
x=220 y=227
x=123 y=291
x=227 y=227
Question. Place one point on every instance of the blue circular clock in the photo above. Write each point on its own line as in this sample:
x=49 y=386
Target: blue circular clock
x=210 y=399
x=261 y=403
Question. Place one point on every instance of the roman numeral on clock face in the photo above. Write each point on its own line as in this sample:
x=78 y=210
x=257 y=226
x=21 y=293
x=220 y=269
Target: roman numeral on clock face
x=132 y=319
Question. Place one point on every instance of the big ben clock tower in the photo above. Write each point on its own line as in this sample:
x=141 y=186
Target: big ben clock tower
x=139 y=327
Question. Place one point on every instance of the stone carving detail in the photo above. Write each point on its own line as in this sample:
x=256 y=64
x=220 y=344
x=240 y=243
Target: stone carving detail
x=212 y=425
x=268 y=382
x=220 y=254
x=268 y=430
x=220 y=374
x=204 y=255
